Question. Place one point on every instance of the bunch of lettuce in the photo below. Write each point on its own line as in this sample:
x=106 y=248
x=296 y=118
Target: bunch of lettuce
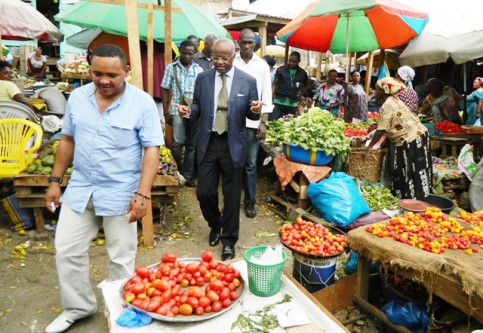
x=317 y=129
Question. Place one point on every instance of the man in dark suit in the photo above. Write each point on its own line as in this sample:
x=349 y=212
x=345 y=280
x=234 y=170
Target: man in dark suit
x=223 y=98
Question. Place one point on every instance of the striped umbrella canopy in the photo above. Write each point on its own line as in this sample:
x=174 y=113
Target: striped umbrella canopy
x=345 y=26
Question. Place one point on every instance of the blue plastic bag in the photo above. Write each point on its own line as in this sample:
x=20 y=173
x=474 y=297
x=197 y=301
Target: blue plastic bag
x=408 y=314
x=338 y=199
x=132 y=319
x=351 y=266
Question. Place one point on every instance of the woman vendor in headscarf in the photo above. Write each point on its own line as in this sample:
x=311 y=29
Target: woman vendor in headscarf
x=474 y=103
x=408 y=96
x=409 y=162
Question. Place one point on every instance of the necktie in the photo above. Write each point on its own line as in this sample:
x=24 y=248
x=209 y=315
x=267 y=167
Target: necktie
x=221 y=116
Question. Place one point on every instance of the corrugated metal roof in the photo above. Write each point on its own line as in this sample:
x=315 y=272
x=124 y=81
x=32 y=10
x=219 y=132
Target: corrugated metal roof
x=236 y=20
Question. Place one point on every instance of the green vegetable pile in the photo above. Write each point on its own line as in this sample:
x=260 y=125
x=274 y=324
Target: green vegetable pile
x=315 y=130
x=378 y=196
x=261 y=321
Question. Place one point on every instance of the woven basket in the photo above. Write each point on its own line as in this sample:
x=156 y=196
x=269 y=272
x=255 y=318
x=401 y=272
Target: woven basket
x=366 y=165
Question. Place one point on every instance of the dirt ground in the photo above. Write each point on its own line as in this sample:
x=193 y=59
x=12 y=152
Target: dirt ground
x=29 y=284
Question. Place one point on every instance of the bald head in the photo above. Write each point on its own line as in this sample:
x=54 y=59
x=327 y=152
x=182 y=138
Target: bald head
x=223 y=55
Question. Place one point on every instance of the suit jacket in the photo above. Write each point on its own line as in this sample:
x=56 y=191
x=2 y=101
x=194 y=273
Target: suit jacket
x=243 y=92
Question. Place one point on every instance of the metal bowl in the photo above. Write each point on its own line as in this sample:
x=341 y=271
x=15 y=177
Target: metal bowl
x=241 y=290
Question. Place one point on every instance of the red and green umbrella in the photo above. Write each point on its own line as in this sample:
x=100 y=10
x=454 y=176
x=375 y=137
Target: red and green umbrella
x=344 y=26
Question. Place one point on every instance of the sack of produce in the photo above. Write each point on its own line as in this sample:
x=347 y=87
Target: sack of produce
x=338 y=199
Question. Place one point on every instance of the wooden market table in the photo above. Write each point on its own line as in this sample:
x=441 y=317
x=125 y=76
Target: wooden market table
x=30 y=190
x=454 y=276
x=451 y=144
x=321 y=320
x=296 y=175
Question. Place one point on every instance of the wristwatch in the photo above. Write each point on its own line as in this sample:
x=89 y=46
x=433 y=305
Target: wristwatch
x=264 y=122
x=53 y=179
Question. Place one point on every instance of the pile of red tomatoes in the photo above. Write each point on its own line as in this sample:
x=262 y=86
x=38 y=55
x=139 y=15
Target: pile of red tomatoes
x=175 y=287
x=312 y=239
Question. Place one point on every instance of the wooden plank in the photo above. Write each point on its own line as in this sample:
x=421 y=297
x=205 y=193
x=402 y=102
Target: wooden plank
x=165 y=181
x=295 y=186
x=167 y=32
x=147 y=223
x=133 y=41
x=150 y=44
x=31 y=203
x=366 y=306
x=25 y=179
x=315 y=301
x=338 y=295
x=363 y=271
x=39 y=219
x=367 y=82
x=451 y=290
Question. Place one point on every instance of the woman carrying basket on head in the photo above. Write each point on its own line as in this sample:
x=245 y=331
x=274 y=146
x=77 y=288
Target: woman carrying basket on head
x=409 y=162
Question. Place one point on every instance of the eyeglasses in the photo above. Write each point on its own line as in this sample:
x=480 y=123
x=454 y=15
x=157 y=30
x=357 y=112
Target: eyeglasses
x=225 y=59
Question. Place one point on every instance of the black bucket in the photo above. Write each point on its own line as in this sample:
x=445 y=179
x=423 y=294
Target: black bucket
x=443 y=203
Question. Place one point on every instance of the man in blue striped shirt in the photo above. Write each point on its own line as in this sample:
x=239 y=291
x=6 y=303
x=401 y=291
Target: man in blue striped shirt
x=179 y=82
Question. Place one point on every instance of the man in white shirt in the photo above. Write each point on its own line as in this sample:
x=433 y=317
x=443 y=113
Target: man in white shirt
x=249 y=62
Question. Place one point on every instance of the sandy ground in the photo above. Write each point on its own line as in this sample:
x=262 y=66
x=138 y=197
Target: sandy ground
x=29 y=286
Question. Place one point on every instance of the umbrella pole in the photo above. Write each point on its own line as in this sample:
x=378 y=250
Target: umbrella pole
x=286 y=53
x=1 y=48
x=319 y=65
x=347 y=49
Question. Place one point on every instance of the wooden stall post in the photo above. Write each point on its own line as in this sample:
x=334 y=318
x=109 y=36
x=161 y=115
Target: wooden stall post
x=369 y=72
x=137 y=80
x=168 y=48
x=263 y=39
x=150 y=50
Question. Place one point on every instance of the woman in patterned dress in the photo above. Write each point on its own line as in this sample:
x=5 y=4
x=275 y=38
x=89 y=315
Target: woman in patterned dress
x=409 y=162
x=330 y=94
x=356 y=106
x=408 y=96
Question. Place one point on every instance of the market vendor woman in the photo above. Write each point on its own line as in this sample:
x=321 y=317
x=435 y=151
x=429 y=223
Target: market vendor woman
x=409 y=162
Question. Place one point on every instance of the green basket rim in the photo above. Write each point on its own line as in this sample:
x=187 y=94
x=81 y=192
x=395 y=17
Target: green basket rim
x=246 y=256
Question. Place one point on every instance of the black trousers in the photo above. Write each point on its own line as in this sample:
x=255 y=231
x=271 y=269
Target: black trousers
x=282 y=110
x=217 y=162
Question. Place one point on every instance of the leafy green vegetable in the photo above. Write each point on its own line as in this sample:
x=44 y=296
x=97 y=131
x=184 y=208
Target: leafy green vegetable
x=315 y=130
x=377 y=196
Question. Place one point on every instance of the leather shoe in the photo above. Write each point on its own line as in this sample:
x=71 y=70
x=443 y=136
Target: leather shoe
x=214 y=238
x=59 y=325
x=190 y=183
x=228 y=252
x=250 y=211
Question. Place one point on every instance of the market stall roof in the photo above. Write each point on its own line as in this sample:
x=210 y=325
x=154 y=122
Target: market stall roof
x=454 y=31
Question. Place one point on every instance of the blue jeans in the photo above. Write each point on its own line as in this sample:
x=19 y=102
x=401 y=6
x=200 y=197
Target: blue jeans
x=185 y=134
x=250 y=169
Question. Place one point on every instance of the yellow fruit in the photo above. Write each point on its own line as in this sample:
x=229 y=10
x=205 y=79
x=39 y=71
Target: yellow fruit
x=101 y=242
x=22 y=232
